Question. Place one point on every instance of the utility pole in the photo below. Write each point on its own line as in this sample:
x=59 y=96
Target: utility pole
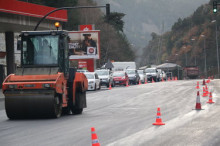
x=205 y=68
x=215 y=9
x=216 y=39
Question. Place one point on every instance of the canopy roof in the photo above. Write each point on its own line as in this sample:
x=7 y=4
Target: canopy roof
x=169 y=66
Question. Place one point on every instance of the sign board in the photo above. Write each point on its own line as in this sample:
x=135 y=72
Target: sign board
x=84 y=45
x=86 y=27
x=82 y=64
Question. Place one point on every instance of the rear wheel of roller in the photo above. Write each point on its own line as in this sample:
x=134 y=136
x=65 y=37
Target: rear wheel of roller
x=78 y=107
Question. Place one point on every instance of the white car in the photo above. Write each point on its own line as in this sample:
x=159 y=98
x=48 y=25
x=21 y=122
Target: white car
x=163 y=76
x=93 y=81
x=152 y=73
x=143 y=76
x=105 y=77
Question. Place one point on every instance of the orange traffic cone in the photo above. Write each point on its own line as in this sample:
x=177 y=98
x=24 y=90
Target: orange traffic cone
x=153 y=80
x=203 y=83
x=110 y=86
x=145 y=82
x=162 y=80
x=197 y=86
x=204 y=92
x=95 y=141
x=176 y=78
x=208 y=80
x=198 y=104
x=158 y=118
x=127 y=84
x=169 y=79
x=210 y=98
x=139 y=82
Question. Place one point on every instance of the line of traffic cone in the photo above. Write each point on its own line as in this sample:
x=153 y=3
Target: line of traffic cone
x=158 y=118
x=139 y=82
x=145 y=82
x=169 y=79
x=127 y=84
x=198 y=103
x=208 y=81
x=210 y=99
x=204 y=92
x=176 y=78
x=153 y=80
x=203 y=82
x=110 y=86
x=95 y=141
x=197 y=86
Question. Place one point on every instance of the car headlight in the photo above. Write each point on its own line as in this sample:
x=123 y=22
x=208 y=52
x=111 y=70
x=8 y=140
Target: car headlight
x=12 y=86
x=91 y=82
x=46 y=85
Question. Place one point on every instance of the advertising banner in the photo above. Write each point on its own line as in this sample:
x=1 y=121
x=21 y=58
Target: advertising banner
x=84 y=45
x=82 y=64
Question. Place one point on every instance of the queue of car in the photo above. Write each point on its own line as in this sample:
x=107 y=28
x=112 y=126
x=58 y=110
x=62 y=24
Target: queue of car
x=105 y=77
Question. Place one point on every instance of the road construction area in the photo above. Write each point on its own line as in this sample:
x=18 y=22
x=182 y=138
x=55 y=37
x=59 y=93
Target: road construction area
x=123 y=116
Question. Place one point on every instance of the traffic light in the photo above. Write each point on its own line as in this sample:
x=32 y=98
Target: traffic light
x=215 y=5
x=107 y=10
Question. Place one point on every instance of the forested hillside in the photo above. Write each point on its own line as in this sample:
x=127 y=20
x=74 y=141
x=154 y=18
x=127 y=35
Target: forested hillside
x=114 y=44
x=189 y=41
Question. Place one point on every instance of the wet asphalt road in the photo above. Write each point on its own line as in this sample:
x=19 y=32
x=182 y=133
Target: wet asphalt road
x=123 y=116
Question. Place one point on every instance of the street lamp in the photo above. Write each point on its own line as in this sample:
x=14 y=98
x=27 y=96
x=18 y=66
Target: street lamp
x=216 y=39
x=192 y=44
x=205 y=69
x=177 y=66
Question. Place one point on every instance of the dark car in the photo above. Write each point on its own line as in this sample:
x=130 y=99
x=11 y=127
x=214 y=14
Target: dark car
x=120 y=78
x=133 y=75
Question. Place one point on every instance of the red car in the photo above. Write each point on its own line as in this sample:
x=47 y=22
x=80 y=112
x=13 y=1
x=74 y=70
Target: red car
x=120 y=78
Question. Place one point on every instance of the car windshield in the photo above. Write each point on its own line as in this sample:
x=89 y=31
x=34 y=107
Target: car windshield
x=89 y=76
x=140 y=71
x=130 y=71
x=102 y=72
x=40 y=50
x=150 y=70
x=118 y=74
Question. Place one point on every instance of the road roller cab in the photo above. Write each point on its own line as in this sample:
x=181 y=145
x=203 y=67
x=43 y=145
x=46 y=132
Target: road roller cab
x=44 y=85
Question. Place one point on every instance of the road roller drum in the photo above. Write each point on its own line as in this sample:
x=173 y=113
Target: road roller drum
x=32 y=104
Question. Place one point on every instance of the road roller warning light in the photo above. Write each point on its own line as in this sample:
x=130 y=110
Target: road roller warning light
x=57 y=25
x=44 y=86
